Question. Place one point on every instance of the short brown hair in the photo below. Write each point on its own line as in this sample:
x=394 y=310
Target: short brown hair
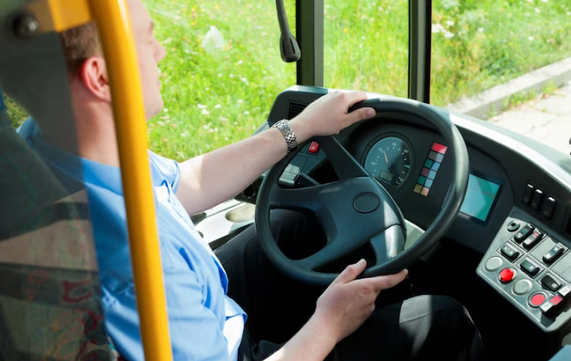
x=79 y=44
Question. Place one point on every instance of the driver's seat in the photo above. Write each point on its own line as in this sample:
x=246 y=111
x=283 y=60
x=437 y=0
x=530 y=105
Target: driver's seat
x=49 y=284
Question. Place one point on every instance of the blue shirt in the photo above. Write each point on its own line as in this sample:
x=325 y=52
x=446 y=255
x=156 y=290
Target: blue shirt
x=204 y=323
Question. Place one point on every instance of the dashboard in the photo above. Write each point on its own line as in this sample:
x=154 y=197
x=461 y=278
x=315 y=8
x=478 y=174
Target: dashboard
x=516 y=214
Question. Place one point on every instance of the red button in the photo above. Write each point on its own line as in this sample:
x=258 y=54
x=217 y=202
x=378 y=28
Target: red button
x=439 y=148
x=314 y=148
x=537 y=300
x=507 y=275
x=556 y=300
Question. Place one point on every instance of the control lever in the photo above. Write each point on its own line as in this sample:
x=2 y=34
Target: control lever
x=302 y=180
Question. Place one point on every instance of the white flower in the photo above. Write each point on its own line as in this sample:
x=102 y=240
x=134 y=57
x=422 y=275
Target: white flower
x=480 y=30
x=244 y=80
x=200 y=106
x=240 y=62
x=537 y=10
x=569 y=13
x=437 y=28
x=450 y=23
x=222 y=119
x=220 y=75
x=205 y=112
x=205 y=127
x=231 y=75
x=448 y=35
x=544 y=1
x=184 y=135
x=530 y=38
x=217 y=106
x=239 y=101
x=246 y=112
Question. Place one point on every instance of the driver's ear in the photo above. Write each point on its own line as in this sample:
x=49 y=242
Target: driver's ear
x=93 y=76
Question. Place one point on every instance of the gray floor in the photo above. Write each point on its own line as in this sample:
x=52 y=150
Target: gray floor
x=547 y=120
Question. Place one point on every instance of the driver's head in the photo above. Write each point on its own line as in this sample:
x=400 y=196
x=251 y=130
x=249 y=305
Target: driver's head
x=88 y=71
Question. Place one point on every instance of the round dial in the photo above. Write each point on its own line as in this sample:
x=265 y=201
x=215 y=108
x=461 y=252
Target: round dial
x=389 y=161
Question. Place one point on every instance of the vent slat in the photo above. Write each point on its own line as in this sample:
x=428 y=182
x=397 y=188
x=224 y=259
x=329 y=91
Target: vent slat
x=294 y=109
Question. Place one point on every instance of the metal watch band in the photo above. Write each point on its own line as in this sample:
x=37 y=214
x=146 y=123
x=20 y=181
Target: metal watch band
x=288 y=134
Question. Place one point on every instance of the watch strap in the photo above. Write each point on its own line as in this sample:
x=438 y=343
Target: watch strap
x=288 y=134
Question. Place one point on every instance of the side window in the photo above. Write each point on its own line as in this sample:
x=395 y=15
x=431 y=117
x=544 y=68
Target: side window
x=221 y=74
x=366 y=45
x=479 y=44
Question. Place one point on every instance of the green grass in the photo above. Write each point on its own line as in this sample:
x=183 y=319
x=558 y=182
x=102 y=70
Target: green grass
x=219 y=93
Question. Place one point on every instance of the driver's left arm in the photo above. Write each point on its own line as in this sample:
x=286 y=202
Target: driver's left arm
x=212 y=178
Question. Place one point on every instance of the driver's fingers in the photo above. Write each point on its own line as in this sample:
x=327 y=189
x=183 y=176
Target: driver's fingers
x=351 y=272
x=352 y=98
x=385 y=282
x=360 y=114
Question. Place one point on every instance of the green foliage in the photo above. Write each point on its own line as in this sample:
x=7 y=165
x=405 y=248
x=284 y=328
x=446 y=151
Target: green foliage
x=223 y=69
x=16 y=114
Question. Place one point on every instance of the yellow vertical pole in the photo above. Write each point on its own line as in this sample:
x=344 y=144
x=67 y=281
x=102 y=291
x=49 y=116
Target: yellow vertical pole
x=113 y=21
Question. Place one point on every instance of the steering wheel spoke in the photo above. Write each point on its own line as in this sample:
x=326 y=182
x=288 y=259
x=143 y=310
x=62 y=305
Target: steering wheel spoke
x=335 y=249
x=388 y=244
x=342 y=161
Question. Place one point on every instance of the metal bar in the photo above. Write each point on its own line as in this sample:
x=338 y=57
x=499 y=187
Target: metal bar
x=309 y=33
x=419 y=49
x=112 y=18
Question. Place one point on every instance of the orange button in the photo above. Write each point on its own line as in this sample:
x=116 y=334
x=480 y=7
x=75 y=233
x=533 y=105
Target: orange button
x=507 y=275
x=313 y=148
x=537 y=300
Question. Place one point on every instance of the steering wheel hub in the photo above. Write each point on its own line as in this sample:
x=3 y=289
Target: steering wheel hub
x=366 y=203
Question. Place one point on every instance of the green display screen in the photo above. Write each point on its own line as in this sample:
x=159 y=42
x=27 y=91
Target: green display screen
x=480 y=198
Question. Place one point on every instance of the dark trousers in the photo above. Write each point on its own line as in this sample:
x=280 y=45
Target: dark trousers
x=420 y=328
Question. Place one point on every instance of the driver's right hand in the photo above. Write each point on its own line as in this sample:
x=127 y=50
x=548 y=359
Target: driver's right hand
x=348 y=302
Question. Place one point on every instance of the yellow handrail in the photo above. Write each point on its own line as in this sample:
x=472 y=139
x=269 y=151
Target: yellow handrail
x=112 y=18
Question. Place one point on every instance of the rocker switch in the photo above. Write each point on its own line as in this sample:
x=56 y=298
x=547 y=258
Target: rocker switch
x=528 y=194
x=524 y=233
x=553 y=254
x=549 y=207
x=536 y=200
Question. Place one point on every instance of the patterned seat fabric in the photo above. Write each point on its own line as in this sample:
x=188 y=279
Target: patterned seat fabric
x=49 y=286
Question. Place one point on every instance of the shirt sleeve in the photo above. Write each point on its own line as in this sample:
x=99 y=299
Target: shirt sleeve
x=195 y=332
x=169 y=168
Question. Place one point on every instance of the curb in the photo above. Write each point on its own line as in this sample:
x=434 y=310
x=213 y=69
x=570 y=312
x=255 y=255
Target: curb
x=494 y=100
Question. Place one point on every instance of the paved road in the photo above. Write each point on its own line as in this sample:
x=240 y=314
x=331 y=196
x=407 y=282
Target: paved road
x=547 y=120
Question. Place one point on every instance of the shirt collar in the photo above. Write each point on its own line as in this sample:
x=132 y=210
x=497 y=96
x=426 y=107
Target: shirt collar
x=81 y=169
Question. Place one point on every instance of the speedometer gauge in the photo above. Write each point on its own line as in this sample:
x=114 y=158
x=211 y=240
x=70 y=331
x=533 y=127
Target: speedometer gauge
x=389 y=161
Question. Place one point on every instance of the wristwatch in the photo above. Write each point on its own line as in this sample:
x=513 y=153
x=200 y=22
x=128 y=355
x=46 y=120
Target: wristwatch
x=288 y=134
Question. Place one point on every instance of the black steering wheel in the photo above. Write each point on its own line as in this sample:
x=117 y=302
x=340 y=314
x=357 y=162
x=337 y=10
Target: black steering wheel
x=357 y=209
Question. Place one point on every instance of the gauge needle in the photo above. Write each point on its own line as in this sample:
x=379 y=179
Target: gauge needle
x=387 y=159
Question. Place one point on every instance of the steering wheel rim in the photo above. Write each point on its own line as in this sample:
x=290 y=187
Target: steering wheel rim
x=449 y=211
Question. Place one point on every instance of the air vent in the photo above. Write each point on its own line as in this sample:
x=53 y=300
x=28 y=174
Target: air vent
x=294 y=109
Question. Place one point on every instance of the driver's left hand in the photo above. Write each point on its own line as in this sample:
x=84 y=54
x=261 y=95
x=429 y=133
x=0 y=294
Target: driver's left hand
x=329 y=114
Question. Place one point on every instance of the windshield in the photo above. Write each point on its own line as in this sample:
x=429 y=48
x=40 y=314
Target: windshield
x=221 y=74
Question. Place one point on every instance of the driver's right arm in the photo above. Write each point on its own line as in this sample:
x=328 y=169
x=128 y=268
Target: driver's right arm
x=341 y=309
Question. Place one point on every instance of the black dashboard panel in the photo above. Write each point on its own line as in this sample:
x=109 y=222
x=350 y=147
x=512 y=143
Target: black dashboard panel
x=422 y=210
x=494 y=151
x=535 y=189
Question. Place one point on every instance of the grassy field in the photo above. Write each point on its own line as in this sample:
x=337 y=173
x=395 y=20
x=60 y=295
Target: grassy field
x=223 y=68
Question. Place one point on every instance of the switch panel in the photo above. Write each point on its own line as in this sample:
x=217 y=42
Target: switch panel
x=531 y=268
